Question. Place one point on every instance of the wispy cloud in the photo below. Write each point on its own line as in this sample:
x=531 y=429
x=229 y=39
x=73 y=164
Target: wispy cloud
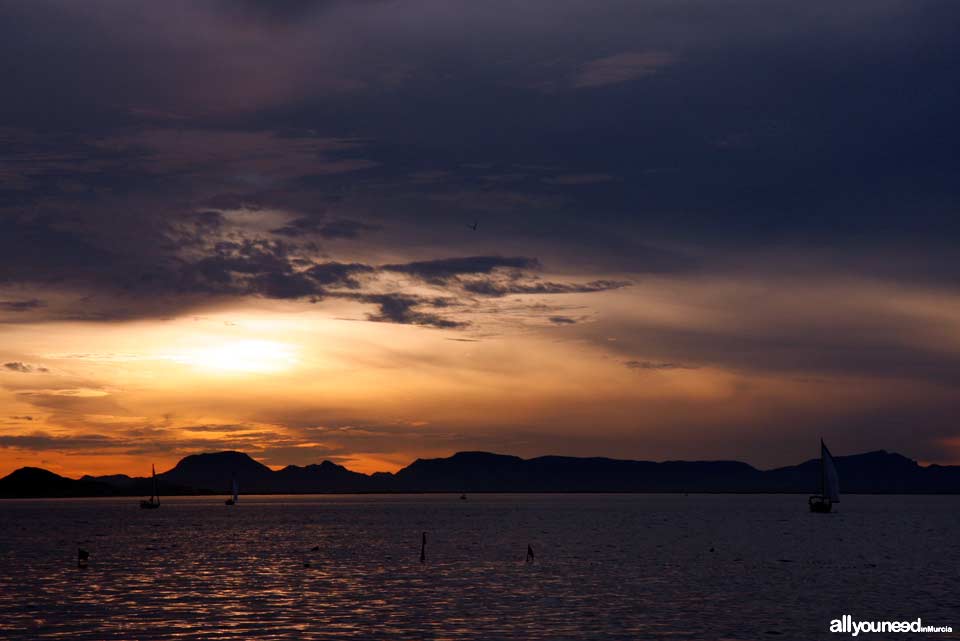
x=21 y=305
x=620 y=68
x=579 y=179
x=657 y=366
x=24 y=368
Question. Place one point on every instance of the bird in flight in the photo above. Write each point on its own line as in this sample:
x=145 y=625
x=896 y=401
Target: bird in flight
x=474 y=226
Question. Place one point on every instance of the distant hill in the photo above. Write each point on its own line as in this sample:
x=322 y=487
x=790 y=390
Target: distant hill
x=34 y=482
x=872 y=472
x=215 y=472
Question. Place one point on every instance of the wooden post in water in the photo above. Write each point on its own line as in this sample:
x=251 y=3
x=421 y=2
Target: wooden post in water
x=423 y=548
x=530 y=555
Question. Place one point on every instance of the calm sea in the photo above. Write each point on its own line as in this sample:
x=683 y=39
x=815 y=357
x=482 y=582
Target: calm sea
x=607 y=567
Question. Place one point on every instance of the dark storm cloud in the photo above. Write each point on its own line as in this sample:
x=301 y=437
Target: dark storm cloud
x=607 y=138
x=726 y=127
x=48 y=249
x=196 y=257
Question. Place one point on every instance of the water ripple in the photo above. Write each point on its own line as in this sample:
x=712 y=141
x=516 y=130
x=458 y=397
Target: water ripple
x=608 y=567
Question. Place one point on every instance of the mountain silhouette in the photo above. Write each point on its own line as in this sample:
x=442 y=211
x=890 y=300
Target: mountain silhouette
x=30 y=482
x=215 y=471
x=873 y=472
x=325 y=477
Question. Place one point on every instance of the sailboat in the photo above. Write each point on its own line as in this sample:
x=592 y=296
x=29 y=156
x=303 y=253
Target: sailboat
x=154 y=501
x=236 y=492
x=829 y=483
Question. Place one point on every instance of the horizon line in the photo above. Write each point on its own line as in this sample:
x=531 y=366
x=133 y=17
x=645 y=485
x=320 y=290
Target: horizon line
x=459 y=452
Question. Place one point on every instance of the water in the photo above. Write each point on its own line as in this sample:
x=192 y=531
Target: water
x=608 y=567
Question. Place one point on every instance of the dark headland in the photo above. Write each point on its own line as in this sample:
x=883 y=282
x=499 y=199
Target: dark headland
x=870 y=473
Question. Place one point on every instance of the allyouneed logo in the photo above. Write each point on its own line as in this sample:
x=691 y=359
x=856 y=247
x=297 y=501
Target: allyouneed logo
x=853 y=628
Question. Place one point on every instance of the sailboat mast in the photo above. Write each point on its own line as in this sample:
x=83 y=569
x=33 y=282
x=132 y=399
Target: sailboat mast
x=153 y=469
x=823 y=472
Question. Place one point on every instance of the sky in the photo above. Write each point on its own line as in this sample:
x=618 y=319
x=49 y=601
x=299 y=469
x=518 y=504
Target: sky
x=369 y=231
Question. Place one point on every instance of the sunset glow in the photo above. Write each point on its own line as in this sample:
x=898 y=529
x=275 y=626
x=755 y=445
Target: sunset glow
x=561 y=236
x=238 y=356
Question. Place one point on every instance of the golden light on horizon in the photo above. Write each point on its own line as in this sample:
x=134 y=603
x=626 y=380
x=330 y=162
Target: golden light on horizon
x=294 y=383
x=238 y=356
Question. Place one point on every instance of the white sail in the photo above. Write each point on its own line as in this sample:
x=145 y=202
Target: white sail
x=156 y=494
x=831 y=483
x=236 y=490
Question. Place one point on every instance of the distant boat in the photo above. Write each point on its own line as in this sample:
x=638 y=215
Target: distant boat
x=829 y=483
x=236 y=493
x=463 y=497
x=154 y=501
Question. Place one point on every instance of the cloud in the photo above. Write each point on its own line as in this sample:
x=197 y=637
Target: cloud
x=334 y=274
x=498 y=288
x=653 y=365
x=579 y=179
x=217 y=427
x=40 y=441
x=24 y=368
x=247 y=267
x=264 y=268
x=202 y=256
x=68 y=392
x=620 y=68
x=21 y=305
x=442 y=269
x=340 y=228
x=404 y=309
x=148 y=439
x=249 y=149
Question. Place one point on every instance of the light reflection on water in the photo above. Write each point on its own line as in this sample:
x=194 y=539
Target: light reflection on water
x=608 y=567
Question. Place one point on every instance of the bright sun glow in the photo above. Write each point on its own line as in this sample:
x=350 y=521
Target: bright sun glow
x=239 y=356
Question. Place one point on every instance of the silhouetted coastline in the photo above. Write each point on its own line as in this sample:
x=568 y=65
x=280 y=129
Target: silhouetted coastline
x=877 y=472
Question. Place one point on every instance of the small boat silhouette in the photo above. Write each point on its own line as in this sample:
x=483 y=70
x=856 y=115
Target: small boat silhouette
x=829 y=484
x=154 y=501
x=236 y=493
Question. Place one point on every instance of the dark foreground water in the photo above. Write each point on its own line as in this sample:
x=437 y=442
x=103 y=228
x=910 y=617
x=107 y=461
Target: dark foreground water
x=607 y=567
